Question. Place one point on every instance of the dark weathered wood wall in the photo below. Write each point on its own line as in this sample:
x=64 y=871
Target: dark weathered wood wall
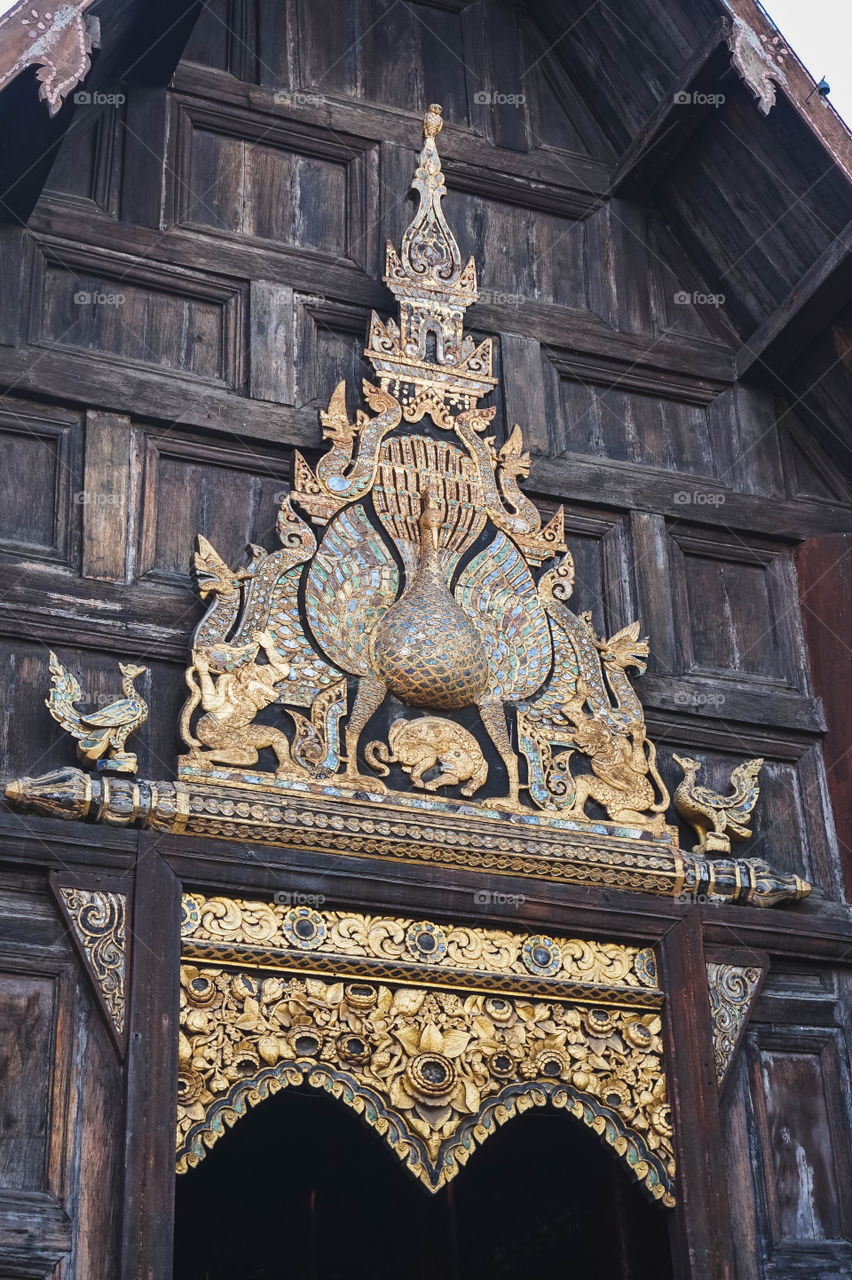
x=198 y=275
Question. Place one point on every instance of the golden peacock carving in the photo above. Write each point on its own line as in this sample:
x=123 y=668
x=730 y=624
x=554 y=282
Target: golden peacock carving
x=403 y=674
x=422 y=589
x=718 y=819
x=101 y=735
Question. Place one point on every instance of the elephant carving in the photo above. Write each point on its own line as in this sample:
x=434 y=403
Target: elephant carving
x=419 y=745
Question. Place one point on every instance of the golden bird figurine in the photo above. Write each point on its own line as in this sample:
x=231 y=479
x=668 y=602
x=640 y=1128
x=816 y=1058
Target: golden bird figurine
x=718 y=819
x=100 y=735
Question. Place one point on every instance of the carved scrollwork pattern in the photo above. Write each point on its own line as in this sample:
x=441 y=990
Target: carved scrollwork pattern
x=732 y=990
x=231 y=922
x=99 y=921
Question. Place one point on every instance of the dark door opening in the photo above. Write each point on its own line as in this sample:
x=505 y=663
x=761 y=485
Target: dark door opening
x=301 y=1189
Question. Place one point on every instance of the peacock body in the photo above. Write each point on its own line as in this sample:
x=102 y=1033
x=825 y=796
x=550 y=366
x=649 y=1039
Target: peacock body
x=718 y=818
x=101 y=735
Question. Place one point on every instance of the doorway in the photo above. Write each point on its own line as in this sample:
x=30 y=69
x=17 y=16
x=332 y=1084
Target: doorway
x=301 y=1189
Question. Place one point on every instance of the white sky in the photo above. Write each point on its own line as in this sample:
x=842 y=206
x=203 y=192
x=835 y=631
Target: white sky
x=819 y=31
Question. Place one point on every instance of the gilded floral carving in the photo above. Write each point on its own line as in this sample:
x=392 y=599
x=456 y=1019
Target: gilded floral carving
x=277 y=928
x=432 y=1071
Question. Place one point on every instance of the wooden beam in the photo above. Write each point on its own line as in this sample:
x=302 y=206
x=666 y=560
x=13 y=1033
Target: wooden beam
x=678 y=116
x=105 y=496
x=814 y=302
x=152 y=1070
x=628 y=486
x=701 y=1235
x=817 y=929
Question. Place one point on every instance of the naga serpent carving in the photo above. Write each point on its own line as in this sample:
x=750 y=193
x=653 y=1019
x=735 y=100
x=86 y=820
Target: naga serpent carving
x=338 y=480
x=512 y=511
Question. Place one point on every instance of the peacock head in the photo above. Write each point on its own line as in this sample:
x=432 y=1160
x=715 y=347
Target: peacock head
x=690 y=767
x=430 y=516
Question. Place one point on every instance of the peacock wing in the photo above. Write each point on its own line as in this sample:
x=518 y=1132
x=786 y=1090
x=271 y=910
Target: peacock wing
x=120 y=712
x=352 y=582
x=712 y=799
x=497 y=592
x=572 y=650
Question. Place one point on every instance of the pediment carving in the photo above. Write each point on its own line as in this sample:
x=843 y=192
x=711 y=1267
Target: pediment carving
x=403 y=674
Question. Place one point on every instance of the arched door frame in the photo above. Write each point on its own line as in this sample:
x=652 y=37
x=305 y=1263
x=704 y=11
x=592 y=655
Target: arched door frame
x=700 y=1238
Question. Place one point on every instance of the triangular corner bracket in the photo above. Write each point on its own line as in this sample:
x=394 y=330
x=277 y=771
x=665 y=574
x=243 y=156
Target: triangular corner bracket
x=734 y=988
x=97 y=917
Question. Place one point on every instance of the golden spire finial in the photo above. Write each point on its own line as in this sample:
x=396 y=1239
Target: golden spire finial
x=426 y=361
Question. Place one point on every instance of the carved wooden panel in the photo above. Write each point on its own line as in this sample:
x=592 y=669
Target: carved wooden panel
x=799 y=1115
x=40 y=481
x=557 y=115
x=27 y=1015
x=139 y=313
x=552 y=267
x=190 y=487
x=602 y=584
x=263 y=179
x=680 y=300
x=86 y=170
x=218 y=34
x=793 y=825
x=359 y=53
x=59 y=1158
x=328 y=348
x=746 y=447
x=609 y=422
x=735 y=607
x=40 y=744
x=809 y=471
x=790 y=825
